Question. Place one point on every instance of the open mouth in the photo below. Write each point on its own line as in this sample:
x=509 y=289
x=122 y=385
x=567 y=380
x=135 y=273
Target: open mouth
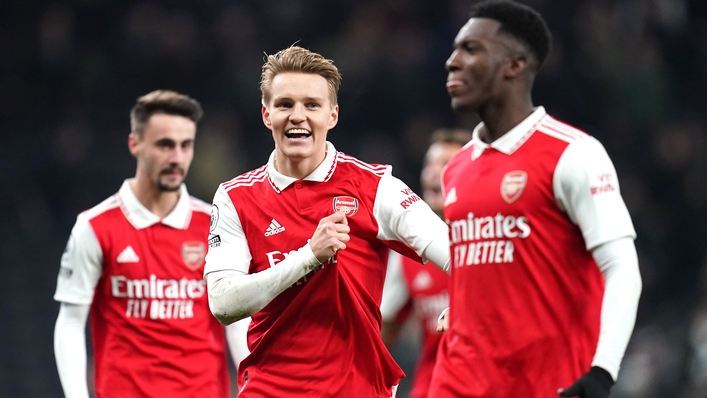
x=297 y=134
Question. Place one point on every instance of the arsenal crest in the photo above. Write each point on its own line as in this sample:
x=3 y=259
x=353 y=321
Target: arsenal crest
x=513 y=184
x=193 y=253
x=345 y=204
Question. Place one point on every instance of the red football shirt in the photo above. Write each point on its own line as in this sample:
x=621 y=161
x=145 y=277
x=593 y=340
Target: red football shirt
x=424 y=289
x=153 y=334
x=321 y=336
x=526 y=294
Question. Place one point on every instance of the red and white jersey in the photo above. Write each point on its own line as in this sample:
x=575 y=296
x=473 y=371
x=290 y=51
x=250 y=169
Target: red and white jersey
x=153 y=334
x=423 y=289
x=321 y=336
x=526 y=294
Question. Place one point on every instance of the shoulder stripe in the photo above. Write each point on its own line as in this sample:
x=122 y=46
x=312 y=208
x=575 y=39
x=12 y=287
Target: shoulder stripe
x=564 y=126
x=555 y=134
x=561 y=131
x=246 y=179
x=246 y=183
x=378 y=169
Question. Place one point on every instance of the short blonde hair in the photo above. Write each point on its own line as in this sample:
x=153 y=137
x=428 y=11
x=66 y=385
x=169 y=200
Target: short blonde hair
x=298 y=59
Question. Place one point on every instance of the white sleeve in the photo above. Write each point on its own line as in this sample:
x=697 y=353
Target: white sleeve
x=70 y=349
x=81 y=265
x=234 y=295
x=395 y=291
x=587 y=188
x=403 y=216
x=228 y=247
x=237 y=337
x=622 y=289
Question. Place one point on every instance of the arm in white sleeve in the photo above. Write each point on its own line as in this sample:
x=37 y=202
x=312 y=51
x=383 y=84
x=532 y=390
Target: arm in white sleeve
x=438 y=252
x=618 y=262
x=70 y=349
x=237 y=338
x=403 y=216
x=395 y=291
x=234 y=295
x=587 y=187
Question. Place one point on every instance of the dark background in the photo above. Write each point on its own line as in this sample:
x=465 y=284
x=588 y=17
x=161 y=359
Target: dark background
x=633 y=73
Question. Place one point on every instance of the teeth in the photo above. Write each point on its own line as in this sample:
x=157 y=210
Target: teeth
x=298 y=132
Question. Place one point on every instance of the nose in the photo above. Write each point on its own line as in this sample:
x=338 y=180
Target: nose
x=452 y=62
x=179 y=154
x=297 y=115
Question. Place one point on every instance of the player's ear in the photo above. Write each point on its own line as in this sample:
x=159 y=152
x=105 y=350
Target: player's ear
x=133 y=141
x=334 y=117
x=266 y=117
x=516 y=65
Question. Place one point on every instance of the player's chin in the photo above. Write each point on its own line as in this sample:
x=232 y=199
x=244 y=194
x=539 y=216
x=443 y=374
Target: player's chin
x=169 y=184
x=297 y=152
x=460 y=104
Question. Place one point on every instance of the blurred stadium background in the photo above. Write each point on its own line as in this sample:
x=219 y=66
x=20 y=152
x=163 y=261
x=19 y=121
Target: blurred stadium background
x=631 y=72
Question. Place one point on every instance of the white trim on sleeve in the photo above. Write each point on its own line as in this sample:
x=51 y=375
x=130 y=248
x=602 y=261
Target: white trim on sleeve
x=228 y=246
x=587 y=188
x=403 y=216
x=81 y=264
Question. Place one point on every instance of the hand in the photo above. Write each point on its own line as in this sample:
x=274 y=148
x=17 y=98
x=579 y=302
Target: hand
x=596 y=383
x=443 y=321
x=331 y=235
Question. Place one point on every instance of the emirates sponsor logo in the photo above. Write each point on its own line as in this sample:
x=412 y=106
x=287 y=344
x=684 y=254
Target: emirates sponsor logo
x=486 y=240
x=345 y=204
x=513 y=184
x=488 y=227
x=153 y=287
x=155 y=298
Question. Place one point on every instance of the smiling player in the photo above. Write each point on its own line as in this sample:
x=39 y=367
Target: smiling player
x=301 y=244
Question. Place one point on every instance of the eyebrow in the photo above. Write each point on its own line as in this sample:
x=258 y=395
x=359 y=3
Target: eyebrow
x=306 y=99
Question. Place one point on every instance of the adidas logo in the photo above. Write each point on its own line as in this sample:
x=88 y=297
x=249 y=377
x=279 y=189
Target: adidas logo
x=127 y=256
x=274 y=228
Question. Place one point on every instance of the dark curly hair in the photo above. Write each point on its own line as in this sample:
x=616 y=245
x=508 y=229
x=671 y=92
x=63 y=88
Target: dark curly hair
x=520 y=21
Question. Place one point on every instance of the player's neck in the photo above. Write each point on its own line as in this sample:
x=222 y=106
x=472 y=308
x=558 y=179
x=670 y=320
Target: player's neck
x=499 y=120
x=157 y=201
x=297 y=168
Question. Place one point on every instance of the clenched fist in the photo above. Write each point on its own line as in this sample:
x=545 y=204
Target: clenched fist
x=331 y=235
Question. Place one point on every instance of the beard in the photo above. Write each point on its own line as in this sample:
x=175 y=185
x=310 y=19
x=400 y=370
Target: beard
x=169 y=187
